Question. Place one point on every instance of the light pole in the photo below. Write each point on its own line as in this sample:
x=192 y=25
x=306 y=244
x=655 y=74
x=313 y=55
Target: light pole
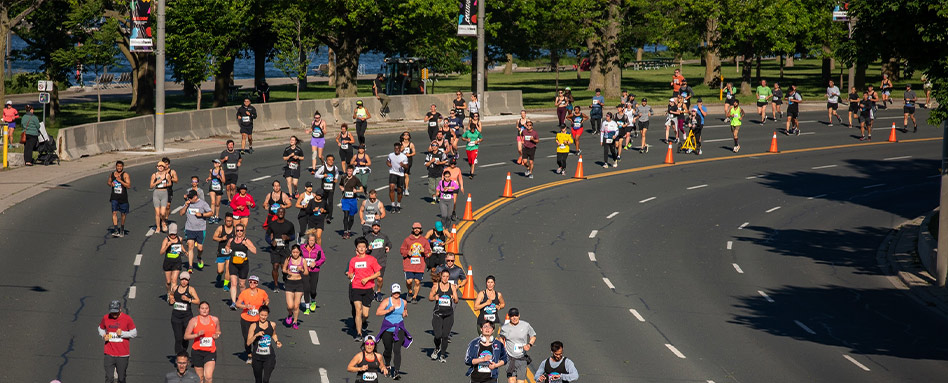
x=160 y=80
x=481 y=66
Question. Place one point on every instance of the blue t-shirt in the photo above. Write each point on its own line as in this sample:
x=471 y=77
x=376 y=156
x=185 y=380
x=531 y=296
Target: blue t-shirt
x=700 y=116
x=394 y=317
x=596 y=109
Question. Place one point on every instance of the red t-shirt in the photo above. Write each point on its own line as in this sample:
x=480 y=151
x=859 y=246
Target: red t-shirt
x=528 y=136
x=414 y=251
x=117 y=346
x=362 y=267
x=245 y=201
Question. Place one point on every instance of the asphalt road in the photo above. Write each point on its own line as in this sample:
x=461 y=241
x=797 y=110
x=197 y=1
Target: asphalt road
x=671 y=259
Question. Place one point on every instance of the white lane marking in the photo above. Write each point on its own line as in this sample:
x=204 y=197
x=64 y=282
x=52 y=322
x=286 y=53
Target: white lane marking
x=767 y=297
x=546 y=138
x=872 y=186
x=697 y=187
x=323 y=376
x=608 y=283
x=934 y=176
x=637 y=315
x=773 y=209
x=860 y=365
x=804 y=327
x=177 y=209
x=615 y=213
x=313 y=337
x=675 y=351
x=738 y=268
x=138 y=260
x=381 y=188
x=425 y=176
x=743 y=225
x=752 y=177
x=823 y=167
x=647 y=199
x=806 y=133
x=593 y=233
x=260 y=178
x=730 y=244
x=592 y=256
x=151 y=232
x=718 y=140
x=817 y=196
x=551 y=156
x=493 y=164
x=131 y=292
x=896 y=158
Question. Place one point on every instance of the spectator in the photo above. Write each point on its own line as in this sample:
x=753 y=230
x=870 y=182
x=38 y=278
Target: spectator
x=31 y=126
x=378 y=88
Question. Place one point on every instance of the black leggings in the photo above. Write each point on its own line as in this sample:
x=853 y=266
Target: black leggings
x=262 y=368
x=327 y=196
x=361 y=126
x=608 y=150
x=178 y=326
x=309 y=286
x=388 y=338
x=304 y=225
x=596 y=124
x=244 y=329
x=347 y=220
x=441 y=326
x=697 y=131
x=561 y=160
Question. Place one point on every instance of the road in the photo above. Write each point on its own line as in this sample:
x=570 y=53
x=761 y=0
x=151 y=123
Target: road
x=742 y=267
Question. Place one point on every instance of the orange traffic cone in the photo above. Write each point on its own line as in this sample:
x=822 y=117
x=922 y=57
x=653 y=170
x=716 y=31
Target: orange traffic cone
x=468 y=213
x=773 y=144
x=469 y=293
x=579 y=169
x=892 y=134
x=453 y=245
x=669 y=159
x=508 y=190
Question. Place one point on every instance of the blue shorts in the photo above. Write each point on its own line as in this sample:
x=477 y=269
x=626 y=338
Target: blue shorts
x=350 y=205
x=197 y=236
x=119 y=207
x=223 y=259
x=410 y=275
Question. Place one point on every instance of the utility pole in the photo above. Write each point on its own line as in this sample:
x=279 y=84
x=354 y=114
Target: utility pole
x=941 y=259
x=481 y=66
x=852 y=68
x=160 y=80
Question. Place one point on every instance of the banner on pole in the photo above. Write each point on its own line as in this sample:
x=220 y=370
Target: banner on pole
x=467 y=18
x=140 y=39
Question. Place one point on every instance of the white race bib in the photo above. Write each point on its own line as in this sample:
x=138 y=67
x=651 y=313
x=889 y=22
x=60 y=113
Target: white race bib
x=561 y=146
x=279 y=242
x=253 y=312
x=176 y=248
x=343 y=146
x=263 y=350
x=310 y=262
x=327 y=186
x=245 y=118
x=193 y=211
x=207 y=341
x=348 y=194
x=116 y=187
x=369 y=217
x=608 y=140
x=232 y=166
x=490 y=317
x=444 y=301
x=294 y=269
x=180 y=306
x=293 y=165
x=432 y=123
x=161 y=184
x=518 y=348
x=370 y=376
x=115 y=338
x=240 y=254
x=378 y=243
x=471 y=143
x=361 y=265
x=215 y=185
x=415 y=260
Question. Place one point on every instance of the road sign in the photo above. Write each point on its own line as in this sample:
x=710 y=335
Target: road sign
x=44 y=98
x=44 y=86
x=840 y=16
x=424 y=73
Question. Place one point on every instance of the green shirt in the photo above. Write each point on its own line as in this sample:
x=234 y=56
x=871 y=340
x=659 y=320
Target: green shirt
x=31 y=124
x=473 y=136
x=763 y=93
x=735 y=116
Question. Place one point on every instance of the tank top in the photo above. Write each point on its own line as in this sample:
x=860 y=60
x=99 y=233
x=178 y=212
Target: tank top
x=180 y=308
x=735 y=113
x=345 y=140
x=119 y=193
x=371 y=212
x=216 y=184
x=489 y=312
x=360 y=113
x=437 y=240
x=205 y=342
x=221 y=245
x=361 y=160
x=296 y=267
x=521 y=125
x=577 y=121
x=239 y=252
x=372 y=374
x=395 y=316
x=559 y=370
x=175 y=249
x=444 y=305
x=274 y=203
x=262 y=347
x=317 y=130
x=407 y=148
x=163 y=181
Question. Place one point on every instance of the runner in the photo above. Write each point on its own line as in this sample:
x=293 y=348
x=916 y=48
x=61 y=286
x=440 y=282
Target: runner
x=362 y=272
x=316 y=208
x=251 y=300
x=246 y=113
x=764 y=94
x=172 y=247
x=736 y=116
x=328 y=175
x=832 y=103
x=609 y=132
x=349 y=185
x=886 y=87
x=446 y=195
x=239 y=247
x=908 y=111
x=702 y=115
x=119 y=182
x=485 y=356
x=379 y=247
x=293 y=155
x=346 y=142
x=927 y=85
x=196 y=213
x=625 y=125
x=853 y=106
x=397 y=161
x=576 y=123
x=161 y=182
x=222 y=235
x=393 y=330
x=196 y=187
x=474 y=138
x=181 y=297
x=281 y=233
x=521 y=125
x=361 y=162
x=671 y=118
x=317 y=130
x=378 y=89
x=563 y=141
x=261 y=337
x=451 y=130
x=776 y=102
x=560 y=102
x=438 y=240
x=215 y=180
x=530 y=140
x=315 y=257
x=476 y=122
x=866 y=117
x=302 y=202
x=435 y=161
x=371 y=211
x=685 y=93
x=275 y=200
x=677 y=80
x=361 y=116
x=408 y=149
x=10 y=115
x=793 y=110
x=445 y=296
x=367 y=364
x=459 y=106
x=182 y=372
x=415 y=250
x=116 y=329
x=518 y=337
x=557 y=368
x=231 y=160
x=729 y=99
x=474 y=106
x=172 y=179
x=456 y=177
x=874 y=98
x=241 y=205
x=680 y=132
x=433 y=120
x=204 y=329
x=595 y=110
x=295 y=270
x=489 y=303
x=456 y=274
x=642 y=113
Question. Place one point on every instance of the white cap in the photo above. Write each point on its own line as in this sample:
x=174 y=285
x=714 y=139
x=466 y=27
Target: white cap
x=396 y=288
x=9 y=102
x=671 y=99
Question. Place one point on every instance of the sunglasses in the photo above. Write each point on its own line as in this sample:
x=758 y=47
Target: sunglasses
x=370 y=343
x=240 y=231
x=449 y=260
x=253 y=282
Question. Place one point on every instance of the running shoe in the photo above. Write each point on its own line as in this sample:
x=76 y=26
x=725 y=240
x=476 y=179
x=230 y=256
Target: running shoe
x=296 y=326
x=579 y=151
x=406 y=192
x=233 y=307
x=358 y=339
x=312 y=306
x=121 y=233
x=433 y=202
x=249 y=361
x=378 y=296
x=737 y=148
x=442 y=359
x=531 y=176
x=288 y=320
x=434 y=354
x=190 y=270
x=615 y=164
x=605 y=166
x=200 y=264
x=306 y=312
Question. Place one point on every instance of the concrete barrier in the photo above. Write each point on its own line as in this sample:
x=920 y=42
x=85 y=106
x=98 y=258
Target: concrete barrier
x=135 y=132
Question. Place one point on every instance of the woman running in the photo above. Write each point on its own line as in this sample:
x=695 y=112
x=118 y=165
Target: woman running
x=367 y=364
x=204 y=329
x=577 y=118
x=438 y=239
x=607 y=140
x=886 y=87
x=729 y=100
x=474 y=139
x=561 y=102
x=222 y=235
x=476 y=122
x=215 y=179
x=393 y=332
x=262 y=337
x=181 y=298
x=295 y=270
x=172 y=247
x=449 y=136
x=161 y=182
x=241 y=205
x=408 y=149
x=314 y=257
x=301 y=202
x=346 y=141
x=447 y=191
x=239 y=247
x=776 y=102
x=445 y=296
x=317 y=216
x=362 y=164
x=317 y=131
x=489 y=303
x=292 y=155
x=521 y=125
x=350 y=185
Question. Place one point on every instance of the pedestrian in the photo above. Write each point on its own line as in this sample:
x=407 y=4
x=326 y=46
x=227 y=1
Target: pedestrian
x=676 y=81
x=531 y=138
x=459 y=106
x=701 y=115
x=445 y=296
x=349 y=184
x=519 y=338
x=866 y=117
x=435 y=161
x=686 y=93
x=853 y=105
x=172 y=247
x=204 y=329
x=328 y=175
x=119 y=182
x=346 y=143
x=521 y=125
x=489 y=303
x=379 y=247
x=250 y=301
x=764 y=94
x=415 y=250
x=438 y=239
x=563 y=141
x=302 y=202
x=557 y=368
x=181 y=373
x=729 y=99
x=282 y=233
x=793 y=110
x=362 y=271
x=908 y=111
x=246 y=113
x=378 y=89
x=393 y=333
x=238 y=247
x=595 y=110
x=609 y=132
x=261 y=338
x=182 y=296
x=196 y=212
x=31 y=126
x=474 y=106
x=776 y=102
x=317 y=142
x=397 y=162
x=736 y=116
x=362 y=164
x=116 y=329
x=485 y=356
x=222 y=235
x=231 y=160
x=10 y=115
x=361 y=116
x=433 y=120
x=241 y=205
x=456 y=177
x=886 y=88
x=371 y=211
x=832 y=103
x=642 y=114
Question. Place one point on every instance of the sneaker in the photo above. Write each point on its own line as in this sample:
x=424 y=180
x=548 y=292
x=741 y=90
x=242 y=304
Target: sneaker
x=395 y=375
x=121 y=233
x=699 y=152
x=233 y=307
x=579 y=151
x=250 y=150
x=796 y=132
x=249 y=361
x=434 y=354
x=915 y=129
x=306 y=312
x=358 y=339
x=615 y=164
x=288 y=320
x=226 y=287
x=863 y=138
x=312 y=306
x=276 y=287
x=378 y=296
x=531 y=176
x=433 y=202
x=830 y=124
x=296 y=326
x=200 y=264
x=737 y=148
x=190 y=270
x=454 y=216
x=442 y=359
x=869 y=138
x=605 y=166
x=406 y=192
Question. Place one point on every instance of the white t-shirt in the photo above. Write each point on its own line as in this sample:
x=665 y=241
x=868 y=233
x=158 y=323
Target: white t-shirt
x=474 y=106
x=832 y=94
x=397 y=159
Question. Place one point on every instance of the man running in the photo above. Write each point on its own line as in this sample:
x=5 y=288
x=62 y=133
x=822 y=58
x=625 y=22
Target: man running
x=397 y=162
x=196 y=212
x=415 y=250
x=435 y=161
x=231 y=160
x=671 y=118
x=595 y=110
x=764 y=93
x=485 y=355
x=456 y=275
x=328 y=175
x=642 y=114
x=119 y=181
x=557 y=368
x=116 y=329
x=676 y=81
x=519 y=338
x=246 y=113
x=282 y=232
x=293 y=154
x=363 y=271
x=853 y=106
x=371 y=211
x=530 y=140
x=433 y=120
x=866 y=116
x=908 y=111
x=832 y=103
x=379 y=247
x=793 y=110
x=222 y=235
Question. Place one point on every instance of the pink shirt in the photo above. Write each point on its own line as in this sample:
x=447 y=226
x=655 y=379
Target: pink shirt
x=246 y=201
x=315 y=257
x=362 y=267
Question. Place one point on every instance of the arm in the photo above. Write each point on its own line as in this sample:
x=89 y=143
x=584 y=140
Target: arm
x=356 y=360
x=480 y=301
x=189 y=333
x=126 y=180
x=253 y=334
x=250 y=246
x=572 y=374
x=432 y=293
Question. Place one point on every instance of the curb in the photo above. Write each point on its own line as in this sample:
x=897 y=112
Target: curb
x=898 y=259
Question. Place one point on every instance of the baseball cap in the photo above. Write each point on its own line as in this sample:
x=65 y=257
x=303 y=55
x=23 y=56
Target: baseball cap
x=671 y=99
x=216 y=160
x=514 y=312
x=396 y=288
x=192 y=194
x=700 y=100
x=376 y=223
x=439 y=226
x=308 y=184
x=9 y=102
x=115 y=306
x=184 y=275
x=416 y=225
x=242 y=186
x=254 y=278
x=173 y=228
x=567 y=88
x=359 y=102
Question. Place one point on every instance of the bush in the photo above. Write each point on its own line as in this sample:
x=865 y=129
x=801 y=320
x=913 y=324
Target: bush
x=23 y=82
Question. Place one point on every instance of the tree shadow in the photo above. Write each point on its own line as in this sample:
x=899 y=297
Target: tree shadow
x=855 y=249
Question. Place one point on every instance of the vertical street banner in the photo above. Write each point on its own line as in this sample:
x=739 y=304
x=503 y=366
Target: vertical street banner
x=141 y=38
x=467 y=18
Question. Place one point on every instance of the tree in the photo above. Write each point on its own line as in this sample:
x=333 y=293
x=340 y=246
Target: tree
x=97 y=48
x=295 y=43
x=142 y=63
x=262 y=43
x=605 y=69
x=19 y=10
x=45 y=32
x=349 y=27
x=192 y=48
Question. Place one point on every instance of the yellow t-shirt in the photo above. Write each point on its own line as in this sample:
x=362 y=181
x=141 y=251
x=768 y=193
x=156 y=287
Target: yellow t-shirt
x=563 y=141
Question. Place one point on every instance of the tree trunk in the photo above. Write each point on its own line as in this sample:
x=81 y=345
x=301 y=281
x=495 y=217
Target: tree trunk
x=782 y=63
x=638 y=53
x=610 y=66
x=53 y=97
x=347 y=67
x=222 y=82
x=860 y=77
x=758 y=69
x=331 y=67
x=143 y=99
x=198 y=89
x=508 y=68
x=737 y=63
x=891 y=68
x=579 y=64
x=712 y=62
x=259 y=64
x=789 y=62
x=746 y=67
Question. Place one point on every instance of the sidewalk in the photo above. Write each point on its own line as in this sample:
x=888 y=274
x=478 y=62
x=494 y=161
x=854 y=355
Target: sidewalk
x=20 y=183
x=898 y=258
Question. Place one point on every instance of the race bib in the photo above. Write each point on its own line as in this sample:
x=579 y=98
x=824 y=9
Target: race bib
x=327 y=186
x=761 y=97
x=245 y=118
x=608 y=140
x=253 y=312
x=451 y=281
x=306 y=199
x=432 y=123
x=317 y=132
x=444 y=301
x=240 y=254
x=263 y=345
x=279 y=242
x=117 y=187
x=555 y=376
x=561 y=146
x=518 y=348
x=176 y=248
x=310 y=262
x=471 y=144
x=294 y=269
x=437 y=249
x=343 y=146
x=232 y=166
x=263 y=350
x=370 y=376
x=215 y=185
x=207 y=341
x=293 y=165
x=115 y=338
x=224 y=251
x=577 y=124
x=180 y=306
x=193 y=211
x=348 y=194
x=484 y=367
x=161 y=184
x=490 y=317
x=369 y=217
x=361 y=264
x=415 y=260
x=776 y=98
x=378 y=243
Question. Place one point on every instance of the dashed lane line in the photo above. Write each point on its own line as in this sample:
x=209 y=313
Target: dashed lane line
x=593 y=233
x=737 y=268
x=615 y=213
x=592 y=256
x=647 y=199
x=138 y=260
x=675 y=351
x=767 y=297
x=132 y=290
x=873 y=186
x=897 y=158
x=313 y=337
x=856 y=362
x=697 y=187
x=730 y=244
x=177 y=210
x=743 y=225
x=323 y=376
x=260 y=178
x=817 y=196
x=491 y=165
x=608 y=283
x=823 y=167
x=637 y=315
x=150 y=232
x=752 y=177
x=773 y=209
x=804 y=327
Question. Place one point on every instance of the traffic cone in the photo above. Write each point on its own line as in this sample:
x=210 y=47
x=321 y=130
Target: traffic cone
x=773 y=144
x=892 y=134
x=669 y=159
x=579 y=169
x=469 y=293
x=453 y=245
x=508 y=190
x=468 y=213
